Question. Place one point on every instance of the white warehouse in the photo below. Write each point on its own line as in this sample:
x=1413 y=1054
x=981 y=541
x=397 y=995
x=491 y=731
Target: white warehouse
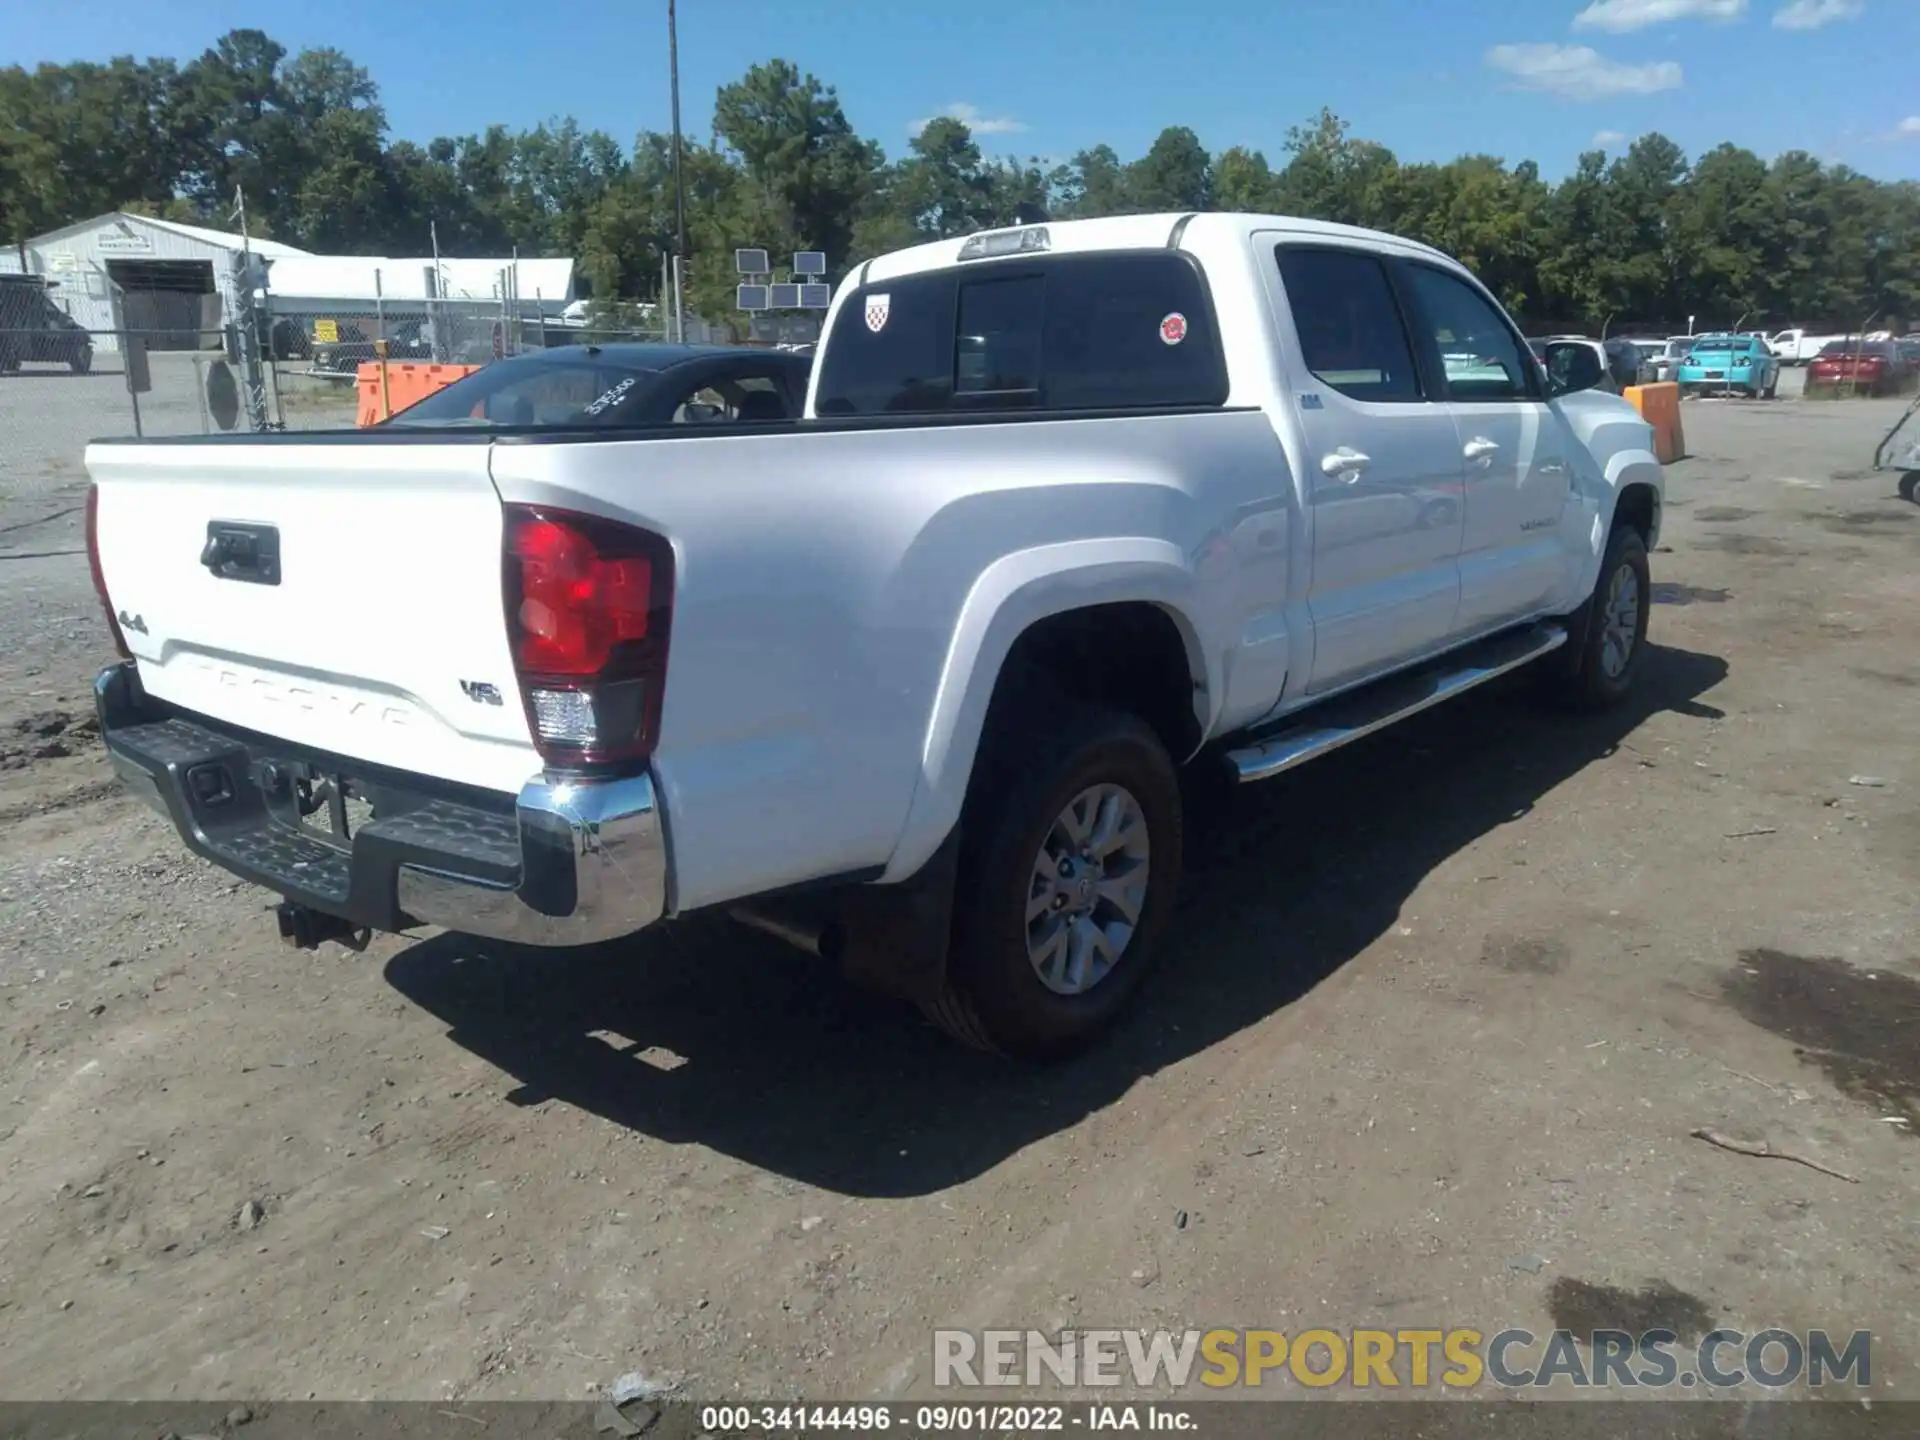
x=175 y=282
x=133 y=272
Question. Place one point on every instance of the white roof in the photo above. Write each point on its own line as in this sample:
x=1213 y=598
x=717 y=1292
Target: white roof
x=266 y=249
x=352 y=277
x=1136 y=232
x=226 y=240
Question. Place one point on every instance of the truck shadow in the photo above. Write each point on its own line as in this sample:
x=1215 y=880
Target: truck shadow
x=703 y=1032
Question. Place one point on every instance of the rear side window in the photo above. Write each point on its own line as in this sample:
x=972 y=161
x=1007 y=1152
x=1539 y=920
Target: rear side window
x=1072 y=332
x=1352 y=336
x=891 y=350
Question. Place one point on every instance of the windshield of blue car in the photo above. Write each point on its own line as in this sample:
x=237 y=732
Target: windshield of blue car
x=547 y=392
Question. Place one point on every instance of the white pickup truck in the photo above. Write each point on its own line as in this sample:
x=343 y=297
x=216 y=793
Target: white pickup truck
x=907 y=678
x=1798 y=347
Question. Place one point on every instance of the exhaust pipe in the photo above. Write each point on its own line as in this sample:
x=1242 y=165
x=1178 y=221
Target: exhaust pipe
x=824 y=938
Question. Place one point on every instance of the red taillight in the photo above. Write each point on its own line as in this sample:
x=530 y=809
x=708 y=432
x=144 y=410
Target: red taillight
x=589 y=603
x=99 y=576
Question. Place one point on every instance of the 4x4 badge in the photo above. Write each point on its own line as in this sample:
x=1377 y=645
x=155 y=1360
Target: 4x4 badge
x=135 y=623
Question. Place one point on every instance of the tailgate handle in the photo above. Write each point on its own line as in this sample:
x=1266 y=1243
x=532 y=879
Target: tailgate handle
x=248 y=553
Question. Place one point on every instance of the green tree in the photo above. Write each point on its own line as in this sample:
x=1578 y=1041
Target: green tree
x=1333 y=177
x=797 y=147
x=1174 y=174
x=80 y=139
x=1243 y=181
x=944 y=188
x=1645 y=237
x=1095 y=184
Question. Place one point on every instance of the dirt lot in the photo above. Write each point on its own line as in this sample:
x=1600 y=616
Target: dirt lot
x=1427 y=1049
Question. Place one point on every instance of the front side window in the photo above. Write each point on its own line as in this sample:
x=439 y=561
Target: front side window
x=1481 y=357
x=1351 y=335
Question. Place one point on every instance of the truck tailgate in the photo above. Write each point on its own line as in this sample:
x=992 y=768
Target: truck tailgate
x=378 y=634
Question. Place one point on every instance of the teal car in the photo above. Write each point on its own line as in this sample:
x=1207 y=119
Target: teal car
x=1719 y=363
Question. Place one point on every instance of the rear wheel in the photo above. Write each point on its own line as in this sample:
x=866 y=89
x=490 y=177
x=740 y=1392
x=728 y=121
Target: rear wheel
x=82 y=360
x=1611 y=629
x=1068 y=866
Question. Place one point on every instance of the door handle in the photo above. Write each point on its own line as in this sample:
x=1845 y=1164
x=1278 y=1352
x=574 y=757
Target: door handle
x=1480 y=448
x=1345 y=464
x=1552 y=467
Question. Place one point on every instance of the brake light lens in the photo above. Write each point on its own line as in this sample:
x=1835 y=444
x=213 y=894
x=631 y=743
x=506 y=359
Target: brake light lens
x=99 y=576
x=589 y=604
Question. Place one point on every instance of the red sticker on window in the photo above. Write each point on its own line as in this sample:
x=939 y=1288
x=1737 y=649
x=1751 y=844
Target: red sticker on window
x=1173 y=329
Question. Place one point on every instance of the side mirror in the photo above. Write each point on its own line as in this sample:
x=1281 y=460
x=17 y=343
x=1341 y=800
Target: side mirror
x=1572 y=367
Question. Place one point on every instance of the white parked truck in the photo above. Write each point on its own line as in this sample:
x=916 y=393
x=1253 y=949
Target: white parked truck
x=907 y=679
x=1798 y=347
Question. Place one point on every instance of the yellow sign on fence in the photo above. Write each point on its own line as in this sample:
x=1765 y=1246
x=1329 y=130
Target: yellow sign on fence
x=327 y=331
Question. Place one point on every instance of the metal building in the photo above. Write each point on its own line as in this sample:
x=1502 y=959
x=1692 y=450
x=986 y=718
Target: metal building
x=169 y=281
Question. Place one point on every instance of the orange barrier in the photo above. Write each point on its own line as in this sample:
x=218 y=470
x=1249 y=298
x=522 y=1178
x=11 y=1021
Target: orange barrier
x=388 y=389
x=1659 y=406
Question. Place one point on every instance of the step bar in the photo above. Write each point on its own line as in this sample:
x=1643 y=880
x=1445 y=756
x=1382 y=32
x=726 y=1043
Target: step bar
x=1351 y=717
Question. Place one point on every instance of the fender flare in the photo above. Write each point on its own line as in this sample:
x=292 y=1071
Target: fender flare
x=1625 y=469
x=1011 y=595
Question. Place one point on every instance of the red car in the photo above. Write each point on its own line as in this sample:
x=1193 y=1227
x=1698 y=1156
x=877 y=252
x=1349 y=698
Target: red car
x=1869 y=367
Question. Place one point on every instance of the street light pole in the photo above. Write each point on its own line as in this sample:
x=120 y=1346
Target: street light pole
x=679 y=192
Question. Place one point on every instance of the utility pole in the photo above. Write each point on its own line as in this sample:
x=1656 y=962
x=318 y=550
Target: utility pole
x=679 y=192
x=248 y=321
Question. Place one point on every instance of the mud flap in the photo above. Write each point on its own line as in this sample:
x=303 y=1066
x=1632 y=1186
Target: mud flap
x=892 y=939
x=896 y=937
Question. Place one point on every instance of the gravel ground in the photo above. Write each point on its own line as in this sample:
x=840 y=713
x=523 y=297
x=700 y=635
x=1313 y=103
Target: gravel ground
x=1432 y=1033
x=47 y=415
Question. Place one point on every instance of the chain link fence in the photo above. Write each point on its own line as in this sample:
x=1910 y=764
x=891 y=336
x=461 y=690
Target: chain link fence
x=279 y=362
x=60 y=390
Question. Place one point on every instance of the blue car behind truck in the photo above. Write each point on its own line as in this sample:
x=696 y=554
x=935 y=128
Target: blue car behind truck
x=1738 y=363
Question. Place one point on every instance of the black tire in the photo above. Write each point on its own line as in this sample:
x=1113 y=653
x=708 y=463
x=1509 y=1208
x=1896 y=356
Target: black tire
x=1585 y=679
x=1033 y=765
x=1773 y=388
x=81 y=362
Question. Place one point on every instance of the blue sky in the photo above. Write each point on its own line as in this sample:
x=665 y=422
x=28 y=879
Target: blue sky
x=1540 y=79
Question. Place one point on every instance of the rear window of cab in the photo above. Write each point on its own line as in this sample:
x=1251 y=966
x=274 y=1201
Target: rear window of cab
x=1106 y=331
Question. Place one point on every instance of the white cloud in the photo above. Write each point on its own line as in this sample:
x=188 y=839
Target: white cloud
x=1908 y=127
x=970 y=116
x=1812 y=14
x=1607 y=140
x=1620 y=16
x=1576 y=72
